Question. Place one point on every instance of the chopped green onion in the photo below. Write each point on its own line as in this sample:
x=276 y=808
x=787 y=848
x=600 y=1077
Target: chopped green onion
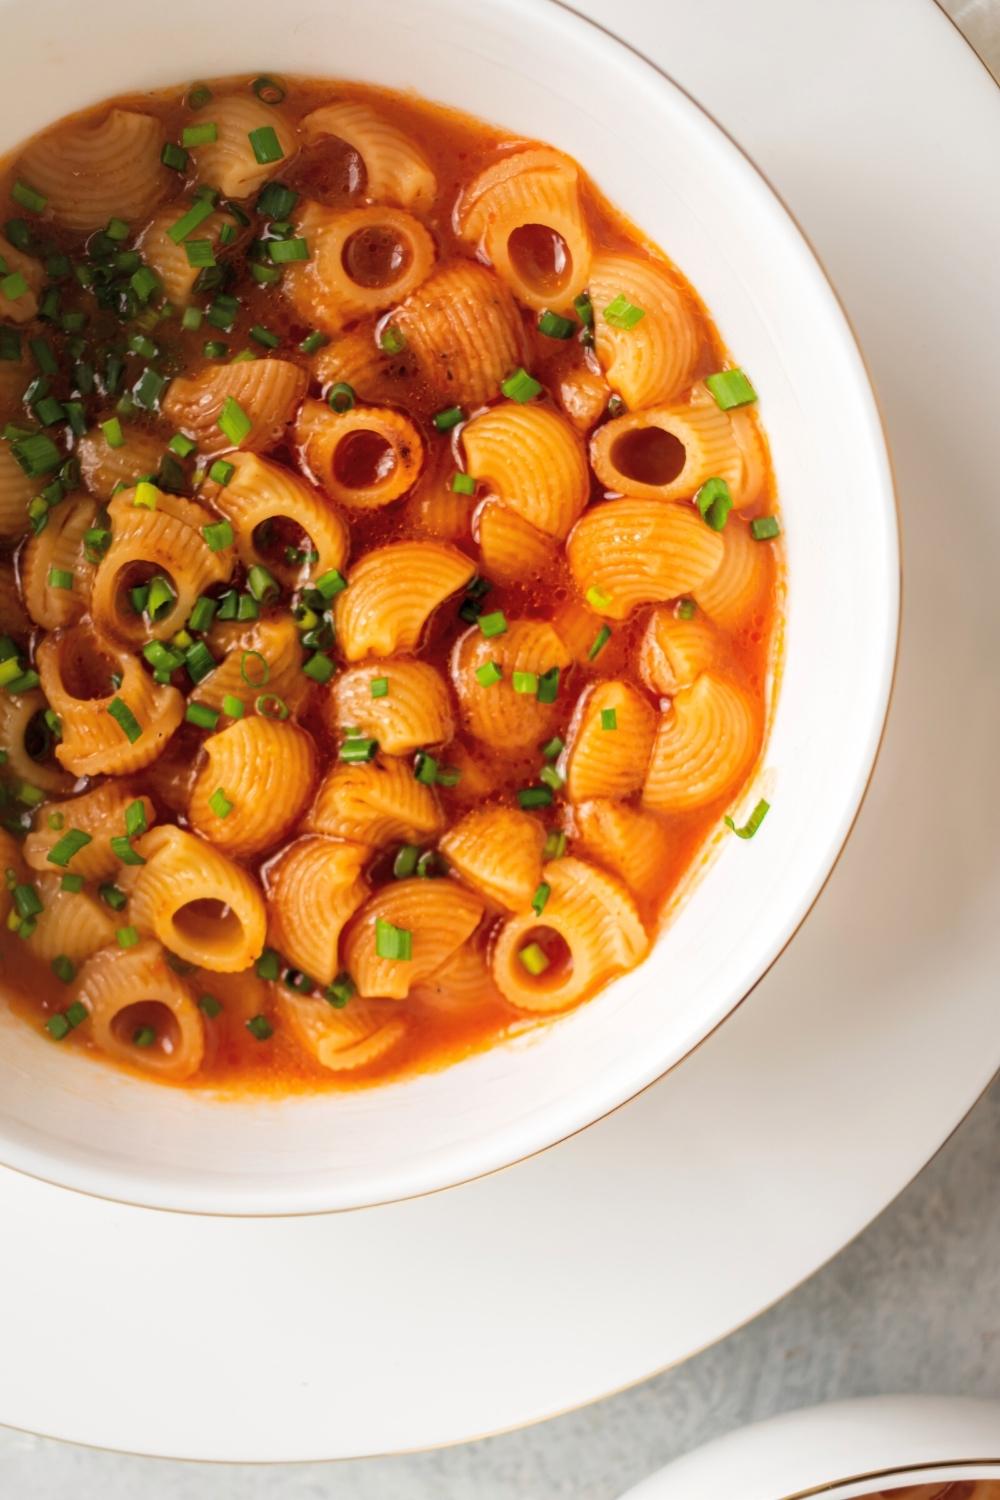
x=198 y=96
x=764 y=528
x=425 y=767
x=149 y=388
x=548 y=686
x=121 y=848
x=174 y=157
x=128 y=937
x=609 y=718
x=71 y=843
x=182 y=445
x=199 y=661
x=13 y=286
x=262 y=335
x=220 y=472
x=233 y=706
x=584 y=309
x=145 y=283
x=393 y=942
x=621 y=313
x=520 y=386
x=493 y=624
x=260 y=1028
x=319 y=667
x=714 y=501
x=220 y=803
x=218 y=535
x=556 y=327
x=210 y=1006
x=553 y=748
x=268 y=90
x=60 y=578
x=268 y=966
x=541 y=896
x=142 y=1036
x=339 y=992
x=356 y=749
x=234 y=422
x=601 y=639
x=200 y=253
x=379 y=687
x=391 y=340
x=257 y=678
x=72 y=884
x=488 y=674
x=191 y=319
x=555 y=845
x=262 y=584
x=534 y=959
x=450 y=417
x=463 y=484
x=730 y=388
x=752 y=823
x=28 y=198
x=57 y=1026
x=113 y=435
x=313 y=342
x=271 y=706
x=146 y=495
x=341 y=397
x=36 y=453
x=200 y=210
x=598 y=598
x=64 y=969
x=44 y=357
x=551 y=777
x=276 y=201
x=200 y=135
x=406 y=861
x=525 y=682
x=686 y=609
x=135 y=818
x=535 y=796
x=113 y=895
x=202 y=715
x=284 y=252
x=203 y=613
x=161 y=600
x=330 y=583
x=125 y=719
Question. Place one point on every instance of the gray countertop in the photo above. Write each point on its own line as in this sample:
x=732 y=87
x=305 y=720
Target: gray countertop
x=912 y=1305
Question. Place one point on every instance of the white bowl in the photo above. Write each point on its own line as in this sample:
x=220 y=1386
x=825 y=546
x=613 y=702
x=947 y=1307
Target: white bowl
x=540 y=70
x=846 y=1450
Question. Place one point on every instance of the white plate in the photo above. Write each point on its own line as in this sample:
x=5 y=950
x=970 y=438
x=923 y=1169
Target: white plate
x=678 y=1218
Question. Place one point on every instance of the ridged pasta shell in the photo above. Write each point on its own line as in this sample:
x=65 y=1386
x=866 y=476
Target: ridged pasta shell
x=375 y=803
x=197 y=901
x=72 y=925
x=581 y=392
x=392 y=593
x=655 y=360
x=396 y=170
x=465 y=332
x=596 y=918
x=537 y=187
x=739 y=583
x=261 y=490
x=229 y=163
x=705 y=745
x=266 y=768
x=674 y=652
x=105 y=468
x=171 y=775
x=268 y=390
x=74 y=666
x=505 y=719
x=511 y=548
x=20 y=309
x=101 y=813
x=27 y=743
x=577 y=627
x=434 y=508
x=313 y=887
x=414 y=712
x=169 y=540
x=608 y=762
x=343 y=1041
x=59 y=546
x=93 y=170
x=365 y=458
x=668 y=452
x=497 y=851
x=355 y=359
x=636 y=846
x=322 y=289
x=461 y=986
x=16 y=493
x=439 y=914
x=479 y=776
x=125 y=988
x=534 y=460
x=278 y=642
x=169 y=260
x=641 y=552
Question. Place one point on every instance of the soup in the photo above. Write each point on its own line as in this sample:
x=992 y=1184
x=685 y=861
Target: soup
x=956 y=1489
x=390 y=587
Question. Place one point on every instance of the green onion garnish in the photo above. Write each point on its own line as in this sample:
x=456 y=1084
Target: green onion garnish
x=463 y=484
x=284 y=252
x=60 y=578
x=764 y=528
x=730 y=388
x=319 y=667
x=262 y=584
x=556 y=327
x=584 y=309
x=752 y=823
x=113 y=895
x=72 y=884
x=128 y=937
x=330 y=583
x=548 y=686
x=714 y=501
x=71 y=843
x=113 y=435
x=493 y=624
x=314 y=341
x=220 y=472
x=551 y=777
x=406 y=861
x=271 y=706
x=339 y=992
x=200 y=253
x=686 y=609
x=28 y=198
x=233 y=706
x=268 y=90
x=535 y=796
x=393 y=942
x=199 y=661
x=202 y=614
x=520 y=386
x=220 y=803
x=218 y=535
x=391 y=340
x=121 y=848
x=135 y=818
x=488 y=674
x=149 y=388
x=425 y=767
x=174 y=157
x=541 y=896
x=234 y=422
x=379 y=687
x=553 y=747
x=201 y=715
x=555 y=845
x=609 y=718
x=57 y=1026
x=621 y=313
x=36 y=453
x=276 y=201
x=200 y=210
x=210 y=1006
x=262 y=335
x=600 y=641
x=63 y=968
x=450 y=417
x=260 y=1028
x=525 y=682
x=125 y=719
x=200 y=135
x=341 y=397
x=534 y=959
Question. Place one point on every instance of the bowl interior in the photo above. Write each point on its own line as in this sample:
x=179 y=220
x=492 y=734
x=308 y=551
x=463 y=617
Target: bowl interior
x=675 y=174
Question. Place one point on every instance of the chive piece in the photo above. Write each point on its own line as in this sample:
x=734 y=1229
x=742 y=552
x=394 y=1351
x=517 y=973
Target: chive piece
x=198 y=96
x=520 y=386
x=686 y=609
x=268 y=966
x=31 y=796
x=174 y=157
x=145 y=283
x=199 y=661
x=202 y=614
x=553 y=748
x=556 y=327
x=488 y=674
x=72 y=884
x=200 y=135
x=276 y=201
x=262 y=335
x=149 y=388
x=730 y=388
x=493 y=624
x=262 y=584
x=218 y=535
x=71 y=843
x=201 y=715
x=601 y=639
x=548 y=686
x=535 y=796
x=253 y=676
x=221 y=472
x=393 y=942
x=234 y=422
x=319 y=667
x=541 y=896
x=534 y=959
x=13 y=286
x=764 y=528
x=406 y=861
x=191 y=319
x=57 y=1026
x=182 y=445
x=112 y=895
x=233 y=706
x=27 y=901
x=200 y=210
x=356 y=748
x=146 y=495
x=714 y=501
x=463 y=484
x=284 y=252
x=220 y=803
x=331 y=583
x=339 y=992
x=313 y=342
x=621 y=313
x=754 y=821
x=555 y=845
x=425 y=767
x=271 y=706
x=200 y=254
x=113 y=435
x=10 y=344
x=450 y=417
x=162 y=599
x=60 y=578
x=379 y=687
x=28 y=198
x=64 y=969
x=36 y=453
x=341 y=397
x=121 y=848
x=609 y=718
x=551 y=777
x=210 y=1006
x=525 y=682
x=391 y=340
x=598 y=598
x=268 y=90
x=584 y=309
x=260 y=1028
x=127 y=937
x=125 y=719
x=43 y=356
x=135 y=818
x=26 y=683
x=143 y=1036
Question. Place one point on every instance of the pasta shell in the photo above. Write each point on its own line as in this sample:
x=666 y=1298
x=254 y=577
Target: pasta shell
x=230 y=163
x=71 y=925
x=461 y=986
x=630 y=552
x=738 y=586
x=313 y=887
x=577 y=627
x=265 y=770
x=22 y=308
x=465 y=332
x=674 y=652
x=436 y=509
x=392 y=593
x=261 y=491
x=16 y=493
x=497 y=851
x=261 y=661
x=355 y=359
x=267 y=390
x=99 y=813
x=511 y=548
x=414 y=711
x=396 y=170
x=439 y=915
x=594 y=916
x=60 y=546
x=169 y=260
x=75 y=666
x=655 y=360
x=323 y=289
x=28 y=743
x=581 y=392
x=499 y=715
x=93 y=170
x=533 y=459
x=668 y=452
x=523 y=196
x=126 y=989
x=197 y=901
x=479 y=777
x=169 y=541
x=610 y=738
x=106 y=469
x=365 y=458
x=636 y=846
x=375 y=803
x=705 y=745
x=343 y=1041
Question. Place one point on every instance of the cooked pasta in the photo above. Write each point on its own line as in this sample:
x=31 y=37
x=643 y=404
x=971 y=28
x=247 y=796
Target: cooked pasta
x=390 y=585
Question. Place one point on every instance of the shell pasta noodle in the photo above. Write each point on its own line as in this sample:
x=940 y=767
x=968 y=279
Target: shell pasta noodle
x=391 y=577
